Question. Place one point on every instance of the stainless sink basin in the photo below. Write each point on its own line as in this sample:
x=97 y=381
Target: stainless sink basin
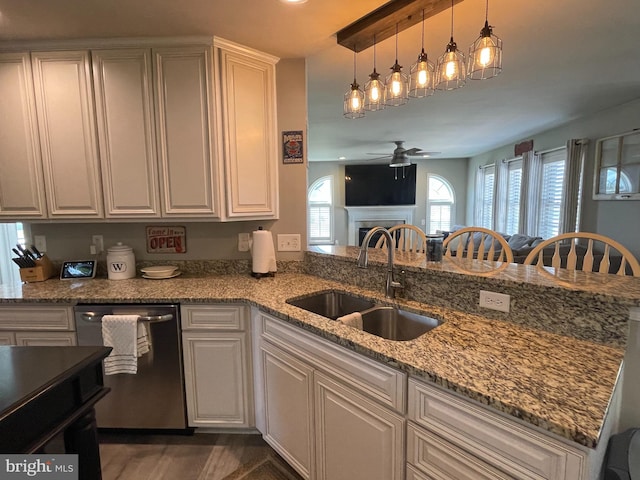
x=395 y=324
x=332 y=304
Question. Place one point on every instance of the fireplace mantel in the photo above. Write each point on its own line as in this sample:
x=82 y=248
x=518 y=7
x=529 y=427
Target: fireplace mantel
x=379 y=215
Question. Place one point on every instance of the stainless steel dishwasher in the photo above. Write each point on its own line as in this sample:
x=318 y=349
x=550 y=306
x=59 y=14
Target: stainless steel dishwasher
x=153 y=398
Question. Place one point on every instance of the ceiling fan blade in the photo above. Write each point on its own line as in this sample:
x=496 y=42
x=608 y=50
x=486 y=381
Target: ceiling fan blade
x=386 y=154
x=384 y=157
x=422 y=153
x=412 y=151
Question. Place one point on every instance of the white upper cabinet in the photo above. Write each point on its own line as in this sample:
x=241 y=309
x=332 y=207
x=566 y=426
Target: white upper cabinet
x=247 y=88
x=21 y=184
x=184 y=97
x=125 y=117
x=66 y=120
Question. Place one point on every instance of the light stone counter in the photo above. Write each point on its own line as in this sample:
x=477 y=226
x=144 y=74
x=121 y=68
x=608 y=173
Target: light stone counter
x=558 y=383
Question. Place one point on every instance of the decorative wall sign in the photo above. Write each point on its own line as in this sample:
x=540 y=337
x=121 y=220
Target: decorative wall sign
x=163 y=239
x=292 y=147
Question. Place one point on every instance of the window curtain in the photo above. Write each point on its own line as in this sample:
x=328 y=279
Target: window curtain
x=9 y=271
x=531 y=182
x=573 y=176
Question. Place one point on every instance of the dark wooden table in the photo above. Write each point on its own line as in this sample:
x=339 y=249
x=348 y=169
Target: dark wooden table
x=48 y=391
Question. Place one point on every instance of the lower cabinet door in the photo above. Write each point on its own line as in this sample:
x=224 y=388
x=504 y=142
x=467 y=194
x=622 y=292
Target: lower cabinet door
x=46 y=339
x=356 y=439
x=288 y=397
x=217 y=379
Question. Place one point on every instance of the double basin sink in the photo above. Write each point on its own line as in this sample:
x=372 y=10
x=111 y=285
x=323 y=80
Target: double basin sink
x=386 y=322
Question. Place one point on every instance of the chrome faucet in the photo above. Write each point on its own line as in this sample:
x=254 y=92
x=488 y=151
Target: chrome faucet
x=390 y=285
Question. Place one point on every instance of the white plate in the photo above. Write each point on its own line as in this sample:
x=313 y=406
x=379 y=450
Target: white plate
x=159 y=271
x=156 y=277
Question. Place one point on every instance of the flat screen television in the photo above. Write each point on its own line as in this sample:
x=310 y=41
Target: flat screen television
x=371 y=185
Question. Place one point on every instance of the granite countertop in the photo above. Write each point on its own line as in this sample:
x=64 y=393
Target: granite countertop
x=558 y=383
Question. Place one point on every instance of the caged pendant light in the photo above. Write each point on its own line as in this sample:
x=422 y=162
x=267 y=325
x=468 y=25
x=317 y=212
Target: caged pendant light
x=396 y=90
x=354 y=98
x=451 y=70
x=374 y=88
x=485 y=54
x=422 y=73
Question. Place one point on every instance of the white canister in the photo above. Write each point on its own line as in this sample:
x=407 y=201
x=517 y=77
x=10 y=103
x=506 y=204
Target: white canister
x=121 y=263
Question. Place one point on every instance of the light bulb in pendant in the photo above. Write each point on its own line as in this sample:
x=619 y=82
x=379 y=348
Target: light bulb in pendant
x=451 y=68
x=355 y=101
x=486 y=53
x=423 y=74
x=396 y=84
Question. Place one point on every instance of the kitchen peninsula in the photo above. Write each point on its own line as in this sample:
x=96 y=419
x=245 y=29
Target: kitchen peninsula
x=533 y=372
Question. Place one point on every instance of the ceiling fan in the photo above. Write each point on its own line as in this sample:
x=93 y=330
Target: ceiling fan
x=401 y=157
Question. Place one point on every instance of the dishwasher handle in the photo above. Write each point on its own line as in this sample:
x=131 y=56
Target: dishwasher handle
x=97 y=317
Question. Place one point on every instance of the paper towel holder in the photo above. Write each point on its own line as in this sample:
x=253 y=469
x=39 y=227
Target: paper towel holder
x=259 y=275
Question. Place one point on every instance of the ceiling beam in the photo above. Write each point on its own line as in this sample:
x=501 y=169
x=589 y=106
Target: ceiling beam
x=382 y=22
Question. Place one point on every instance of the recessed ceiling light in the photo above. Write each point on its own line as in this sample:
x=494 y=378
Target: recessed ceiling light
x=342 y=158
x=293 y=1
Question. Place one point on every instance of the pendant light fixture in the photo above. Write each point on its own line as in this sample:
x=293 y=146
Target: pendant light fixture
x=374 y=88
x=354 y=98
x=396 y=89
x=451 y=70
x=485 y=54
x=422 y=73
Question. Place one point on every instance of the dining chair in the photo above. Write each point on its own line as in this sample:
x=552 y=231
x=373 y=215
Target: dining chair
x=407 y=237
x=569 y=241
x=478 y=243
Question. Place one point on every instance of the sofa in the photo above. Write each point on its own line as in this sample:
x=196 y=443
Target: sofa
x=521 y=245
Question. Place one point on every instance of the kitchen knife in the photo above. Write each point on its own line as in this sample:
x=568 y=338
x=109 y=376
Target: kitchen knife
x=36 y=251
x=25 y=261
x=26 y=254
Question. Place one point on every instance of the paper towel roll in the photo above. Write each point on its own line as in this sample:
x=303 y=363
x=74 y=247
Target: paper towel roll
x=263 y=254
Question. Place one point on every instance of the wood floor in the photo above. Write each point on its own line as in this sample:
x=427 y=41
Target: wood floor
x=185 y=457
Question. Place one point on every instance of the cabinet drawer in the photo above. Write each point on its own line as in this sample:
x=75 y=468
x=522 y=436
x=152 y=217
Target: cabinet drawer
x=519 y=451
x=441 y=460
x=45 y=317
x=372 y=378
x=213 y=317
x=46 y=339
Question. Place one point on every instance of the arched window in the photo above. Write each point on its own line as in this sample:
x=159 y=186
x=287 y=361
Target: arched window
x=320 y=211
x=440 y=204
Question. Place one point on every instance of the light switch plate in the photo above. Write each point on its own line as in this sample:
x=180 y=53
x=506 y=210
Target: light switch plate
x=243 y=242
x=289 y=242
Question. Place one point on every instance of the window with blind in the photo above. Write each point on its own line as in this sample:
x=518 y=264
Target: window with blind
x=320 y=211
x=486 y=195
x=514 y=187
x=440 y=203
x=551 y=193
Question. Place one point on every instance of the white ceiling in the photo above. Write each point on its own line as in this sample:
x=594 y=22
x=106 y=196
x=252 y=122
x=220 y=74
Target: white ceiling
x=562 y=60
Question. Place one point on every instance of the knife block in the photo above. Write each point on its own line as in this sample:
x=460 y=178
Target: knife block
x=42 y=271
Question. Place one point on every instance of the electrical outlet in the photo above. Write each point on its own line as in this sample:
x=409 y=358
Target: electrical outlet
x=495 y=301
x=98 y=242
x=243 y=242
x=289 y=242
x=40 y=242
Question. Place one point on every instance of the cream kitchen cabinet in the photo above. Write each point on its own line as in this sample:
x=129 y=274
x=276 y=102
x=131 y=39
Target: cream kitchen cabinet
x=217 y=365
x=452 y=437
x=248 y=129
x=66 y=122
x=123 y=87
x=49 y=325
x=349 y=410
x=189 y=170
x=21 y=181
x=288 y=405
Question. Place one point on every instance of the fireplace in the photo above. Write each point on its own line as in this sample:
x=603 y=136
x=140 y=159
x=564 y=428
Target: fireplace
x=362 y=232
x=368 y=217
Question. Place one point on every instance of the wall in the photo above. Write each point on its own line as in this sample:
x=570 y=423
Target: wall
x=206 y=239
x=453 y=169
x=619 y=220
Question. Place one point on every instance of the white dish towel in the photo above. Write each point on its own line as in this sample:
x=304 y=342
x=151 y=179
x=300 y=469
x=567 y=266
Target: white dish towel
x=128 y=338
x=352 y=320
